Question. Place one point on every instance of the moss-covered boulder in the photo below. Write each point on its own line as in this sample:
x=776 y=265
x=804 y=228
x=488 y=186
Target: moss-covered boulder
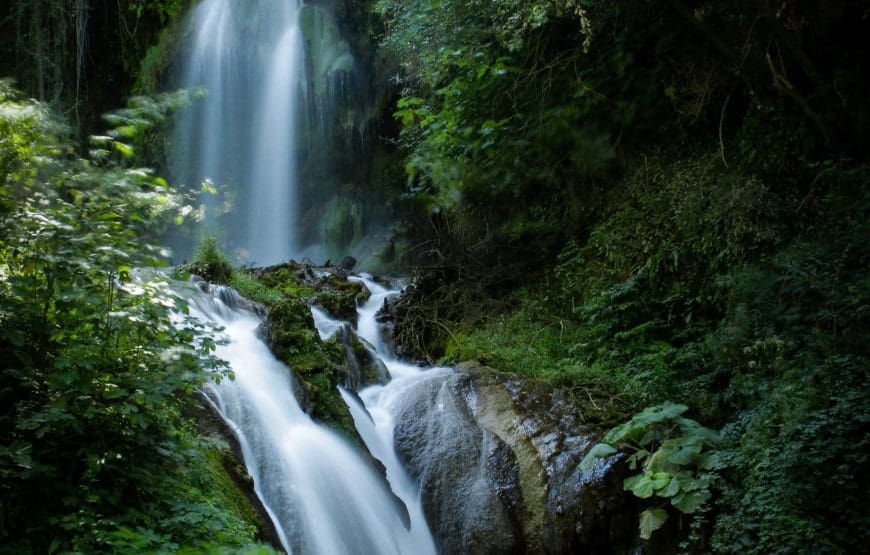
x=288 y=290
x=319 y=366
x=340 y=296
x=328 y=287
x=362 y=368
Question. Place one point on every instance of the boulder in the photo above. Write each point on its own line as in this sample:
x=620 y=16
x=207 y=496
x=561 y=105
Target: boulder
x=497 y=458
x=362 y=368
x=347 y=263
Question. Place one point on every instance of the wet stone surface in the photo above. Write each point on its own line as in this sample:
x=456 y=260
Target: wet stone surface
x=497 y=458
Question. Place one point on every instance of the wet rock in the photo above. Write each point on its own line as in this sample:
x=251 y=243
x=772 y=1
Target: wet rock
x=328 y=287
x=361 y=367
x=210 y=424
x=497 y=458
x=347 y=263
x=462 y=468
x=339 y=297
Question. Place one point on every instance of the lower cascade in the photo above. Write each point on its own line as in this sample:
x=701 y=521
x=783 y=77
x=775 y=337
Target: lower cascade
x=321 y=494
x=459 y=460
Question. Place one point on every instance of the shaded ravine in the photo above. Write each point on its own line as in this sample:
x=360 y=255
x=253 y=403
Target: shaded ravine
x=321 y=495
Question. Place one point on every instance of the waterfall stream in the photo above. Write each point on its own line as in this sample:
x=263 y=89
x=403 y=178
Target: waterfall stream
x=323 y=496
x=243 y=135
x=374 y=420
x=320 y=493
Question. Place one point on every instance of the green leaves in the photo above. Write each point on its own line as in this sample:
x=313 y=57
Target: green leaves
x=650 y=521
x=599 y=451
x=86 y=387
x=644 y=485
x=672 y=454
x=689 y=501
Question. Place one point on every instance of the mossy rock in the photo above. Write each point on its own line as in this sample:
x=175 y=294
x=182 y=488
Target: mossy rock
x=319 y=366
x=341 y=226
x=340 y=297
x=289 y=329
x=286 y=280
x=225 y=478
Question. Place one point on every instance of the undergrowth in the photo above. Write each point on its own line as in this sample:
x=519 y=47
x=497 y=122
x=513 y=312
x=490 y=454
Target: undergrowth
x=745 y=299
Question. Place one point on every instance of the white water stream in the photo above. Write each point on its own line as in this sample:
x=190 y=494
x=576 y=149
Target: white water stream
x=321 y=495
x=243 y=135
x=375 y=420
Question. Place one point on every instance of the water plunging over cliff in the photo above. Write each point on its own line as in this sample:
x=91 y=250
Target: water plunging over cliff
x=280 y=121
x=243 y=135
x=213 y=62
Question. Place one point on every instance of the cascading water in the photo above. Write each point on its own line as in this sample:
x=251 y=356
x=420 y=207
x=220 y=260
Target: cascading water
x=213 y=63
x=273 y=178
x=375 y=418
x=321 y=495
x=243 y=135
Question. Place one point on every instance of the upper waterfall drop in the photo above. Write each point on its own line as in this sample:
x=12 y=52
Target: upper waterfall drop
x=213 y=63
x=270 y=234
x=245 y=135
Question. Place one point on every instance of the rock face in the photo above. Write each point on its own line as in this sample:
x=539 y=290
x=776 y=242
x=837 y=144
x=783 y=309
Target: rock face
x=497 y=457
x=361 y=367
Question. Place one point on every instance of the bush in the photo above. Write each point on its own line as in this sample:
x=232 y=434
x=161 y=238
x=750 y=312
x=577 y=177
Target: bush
x=210 y=263
x=94 y=452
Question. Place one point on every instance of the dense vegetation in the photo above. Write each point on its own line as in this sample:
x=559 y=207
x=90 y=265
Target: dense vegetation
x=659 y=206
x=95 y=451
x=650 y=202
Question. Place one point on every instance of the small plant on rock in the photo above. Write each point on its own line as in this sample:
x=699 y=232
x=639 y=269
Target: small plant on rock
x=210 y=262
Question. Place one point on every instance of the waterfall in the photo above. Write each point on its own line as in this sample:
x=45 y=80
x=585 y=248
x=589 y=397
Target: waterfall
x=273 y=174
x=242 y=136
x=321 y=495
x=205 y=133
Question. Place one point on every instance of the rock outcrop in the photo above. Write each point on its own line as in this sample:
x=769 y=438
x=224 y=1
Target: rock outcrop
x=497 y=457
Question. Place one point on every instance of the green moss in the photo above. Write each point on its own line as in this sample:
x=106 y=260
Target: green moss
x=319 y=365
x=159 y=57
x=341 y=226
x=533 y=342
x=285 y=282
x=227 y=492
x=341 y=297
x=249 y=287
x=329 y=407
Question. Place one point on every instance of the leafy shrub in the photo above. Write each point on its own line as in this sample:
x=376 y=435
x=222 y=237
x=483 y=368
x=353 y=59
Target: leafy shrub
x=674 y=455
x=210 y=263
x=94 y=452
